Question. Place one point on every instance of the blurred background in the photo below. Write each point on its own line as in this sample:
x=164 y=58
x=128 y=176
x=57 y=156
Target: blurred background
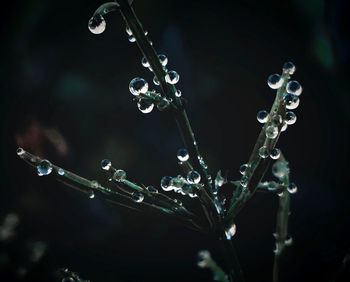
x=64 y=96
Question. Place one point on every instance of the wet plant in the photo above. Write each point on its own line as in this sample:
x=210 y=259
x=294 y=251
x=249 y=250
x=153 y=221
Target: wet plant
x=196 y=180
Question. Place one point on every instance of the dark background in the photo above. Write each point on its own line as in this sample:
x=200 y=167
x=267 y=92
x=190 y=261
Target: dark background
x=65 y=97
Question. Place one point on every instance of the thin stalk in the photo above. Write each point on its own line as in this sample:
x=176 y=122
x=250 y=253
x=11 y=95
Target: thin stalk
x=281 y=224
x=257 y=165
x=179 y=111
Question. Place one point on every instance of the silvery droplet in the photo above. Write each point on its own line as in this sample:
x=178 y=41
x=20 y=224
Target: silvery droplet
x=280 y=169
x=289 y=68
x=276 y=119
x=182 y=155
x=68 y=279
x=155 y=80
x=288 y=241
x=172 y=77
x=94 y=184
x=106 y=164
x=284 y=126
x=131 y=38
x=137 y=197
x=163 y=104
x=60 y=171
x=271 y=131
x=137 y=86
x=128 y=30
x=294 y=87
x=152 y=189
x=44 y=168
x=262 y=116
x=163 y=60
x=91 y=194
x=264 y=152
x=275 y=81
x=231 y=231
x=275 y=153
x=145 y=106
x=176 y=183
x=243 y=168
x=20 y=151
x=97 y=24
x=165 y=183
x=145 y=63
x=193 y=177
x=291 y=118
x=244 y=181
x=292 y=101
x=119 y=175
x=178 y=93
x=292 y=188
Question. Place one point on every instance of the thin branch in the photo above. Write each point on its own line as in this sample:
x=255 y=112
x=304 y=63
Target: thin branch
x=257 y=165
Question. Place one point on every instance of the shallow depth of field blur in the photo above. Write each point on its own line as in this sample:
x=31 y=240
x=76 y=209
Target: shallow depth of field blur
x=65 y=97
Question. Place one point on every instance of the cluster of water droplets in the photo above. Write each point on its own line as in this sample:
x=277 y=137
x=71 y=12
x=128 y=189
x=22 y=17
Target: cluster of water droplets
x=183 y=185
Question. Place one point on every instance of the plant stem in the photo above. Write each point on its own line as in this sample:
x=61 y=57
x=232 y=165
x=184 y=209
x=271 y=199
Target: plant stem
x=179 y=111
x=257 y=165
x=281 y=223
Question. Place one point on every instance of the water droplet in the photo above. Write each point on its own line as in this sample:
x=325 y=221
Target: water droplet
x=291 y=118
x=292 y=188
x=187 y=188
x=152 y=189
x=91 y=194
x=276 y=120
x=272 y=186
x=275 y=153
x=289 y=68
x=172 y=77
x=163 y=59
x=20 y=151
x=177 y=183
x=145 y=106
x=145 y=32
x=292 y=101
x=280 y=169
x=271 y=131
x=137 y=197
x=97 y=24
x=145 y=63
x=60 y=171
x=275 y=81
x=182 y=155
x=163 y=104
x=284 y=126
x=204 y=259
x=231 y=231
x=106 y=164
x=262 y=116
x=128 y=30
x=155 y=80
x=243 y=168
x=263 y=152
x=68 y=279
x=288 y=241
x=178 y=93
x=244 y=181
x=44 y=168
x=131 y=38
x=94 y=184
x=137 y=86
x=165 y=183
x=119 y=175
x=294 y=87
x=193 y=177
